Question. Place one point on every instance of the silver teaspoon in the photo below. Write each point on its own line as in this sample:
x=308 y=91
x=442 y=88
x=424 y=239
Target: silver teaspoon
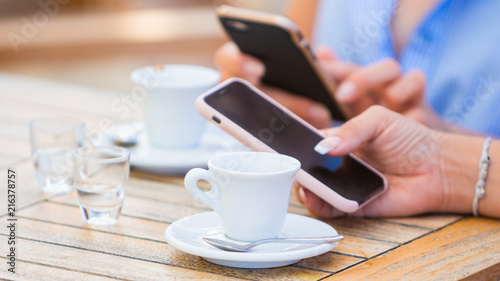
x=125 y=134
x=234 y=247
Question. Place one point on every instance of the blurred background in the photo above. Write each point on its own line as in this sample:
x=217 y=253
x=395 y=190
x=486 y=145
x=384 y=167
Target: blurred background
x=99 y=42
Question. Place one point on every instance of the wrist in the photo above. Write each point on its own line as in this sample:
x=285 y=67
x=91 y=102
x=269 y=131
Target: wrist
x=459 y=171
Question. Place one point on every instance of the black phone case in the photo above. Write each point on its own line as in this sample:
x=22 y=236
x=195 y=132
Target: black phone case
x=287 y=67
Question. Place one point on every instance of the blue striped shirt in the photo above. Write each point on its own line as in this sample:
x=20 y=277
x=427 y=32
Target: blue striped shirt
x=456 y=45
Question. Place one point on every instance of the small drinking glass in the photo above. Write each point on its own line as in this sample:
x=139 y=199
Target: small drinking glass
x=101 y=176
x=52 y=139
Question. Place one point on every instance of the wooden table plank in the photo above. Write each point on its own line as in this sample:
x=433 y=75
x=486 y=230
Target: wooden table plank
x=490 y=273
x=331 y=262
x=363 y=247
x=27 y=191
x=455 y=252
x=35 y=272
x=435 y=221
x=80 y=262
x=71 y=216
x=14 y=148
x=378 y=229
x=144 y=208
x=8 y=160
x=12 y=128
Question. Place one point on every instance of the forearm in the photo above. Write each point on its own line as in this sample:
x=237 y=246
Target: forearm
x=460 y=157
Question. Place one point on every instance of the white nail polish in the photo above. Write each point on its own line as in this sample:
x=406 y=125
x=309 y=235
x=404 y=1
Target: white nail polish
x=346 y=91
x=322 y=149
x=253 y=68
x=317 y=112
x=326 y=145
x=302 y=195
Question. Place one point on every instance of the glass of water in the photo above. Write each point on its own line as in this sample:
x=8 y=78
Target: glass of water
x=52 y=139
x=101 y=176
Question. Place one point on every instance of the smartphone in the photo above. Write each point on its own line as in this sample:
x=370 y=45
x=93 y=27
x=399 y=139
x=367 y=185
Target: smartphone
x=262 y=124
x=277 y=42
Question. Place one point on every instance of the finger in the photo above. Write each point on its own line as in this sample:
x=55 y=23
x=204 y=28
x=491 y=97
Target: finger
x=361 y=102
x=296 y=189
x=359 y=130
x=318 y=206
x=314 y=113
x=397 y=201
x=338 y=69
x=388 y=204
x=359 y=89
x=368 y=79
x=324 y=53
x=406 y=92
x=233 y=63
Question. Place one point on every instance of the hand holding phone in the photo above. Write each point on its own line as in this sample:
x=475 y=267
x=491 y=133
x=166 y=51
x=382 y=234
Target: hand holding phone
x=263 y=124
x=290 y=64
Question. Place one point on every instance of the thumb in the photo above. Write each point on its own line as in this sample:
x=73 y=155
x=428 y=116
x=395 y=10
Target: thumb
x=361 y=129
x=324 y=53
x=232 y=62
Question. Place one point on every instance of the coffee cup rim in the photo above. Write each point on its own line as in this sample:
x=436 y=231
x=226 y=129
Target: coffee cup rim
x=144 y=76
x=294 y=163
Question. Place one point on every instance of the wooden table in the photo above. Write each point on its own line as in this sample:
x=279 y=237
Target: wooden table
x=52 y=242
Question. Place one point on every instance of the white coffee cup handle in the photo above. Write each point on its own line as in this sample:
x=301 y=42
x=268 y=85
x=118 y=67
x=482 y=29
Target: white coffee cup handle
x=211 y=197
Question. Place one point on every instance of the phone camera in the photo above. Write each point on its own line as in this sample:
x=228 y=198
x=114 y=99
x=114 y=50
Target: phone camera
x=216 y=119
x=236 y=25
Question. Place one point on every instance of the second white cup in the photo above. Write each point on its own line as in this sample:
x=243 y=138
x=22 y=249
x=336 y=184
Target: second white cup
x=249 y=190
x=170 y=116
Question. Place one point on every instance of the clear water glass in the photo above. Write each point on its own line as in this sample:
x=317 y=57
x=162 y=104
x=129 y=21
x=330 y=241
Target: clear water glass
x=52 y=139
x=101 y=176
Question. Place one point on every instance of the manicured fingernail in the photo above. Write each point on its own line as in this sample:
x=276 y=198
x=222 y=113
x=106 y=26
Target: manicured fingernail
x=327 y=144
x=253 y=68
x=345 y=91
x=302 y=195
x=318 y=112
x=326 y=52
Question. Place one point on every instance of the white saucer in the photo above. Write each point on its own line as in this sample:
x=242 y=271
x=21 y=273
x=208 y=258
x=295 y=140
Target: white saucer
x=152 y=159
x=185 y=235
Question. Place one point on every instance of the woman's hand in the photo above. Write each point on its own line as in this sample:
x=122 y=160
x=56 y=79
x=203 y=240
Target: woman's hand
x=406 y=152
x=232 y=63
x=383 y=83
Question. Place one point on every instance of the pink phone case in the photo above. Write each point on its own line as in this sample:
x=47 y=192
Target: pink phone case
x=255 y=144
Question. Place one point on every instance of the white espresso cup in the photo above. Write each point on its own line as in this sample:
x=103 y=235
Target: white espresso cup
x=249 y=190
x=170 y=116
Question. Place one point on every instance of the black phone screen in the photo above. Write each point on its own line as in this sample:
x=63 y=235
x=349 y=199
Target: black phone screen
x=286 y=135
x=287 y=67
